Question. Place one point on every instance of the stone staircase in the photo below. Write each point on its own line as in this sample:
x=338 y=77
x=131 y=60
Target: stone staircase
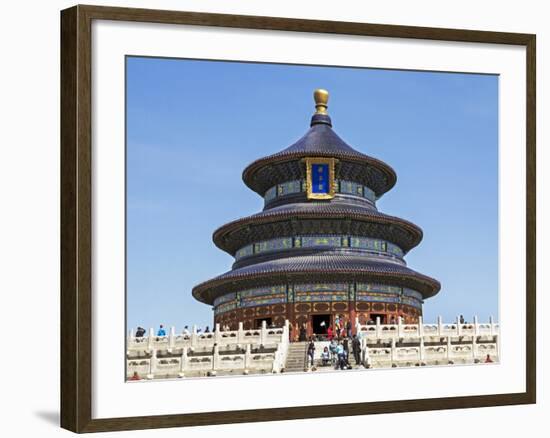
x=296 y=357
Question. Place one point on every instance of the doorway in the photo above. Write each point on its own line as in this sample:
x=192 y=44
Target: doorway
x=382 y=317
x=320 y=324
x=258 y=322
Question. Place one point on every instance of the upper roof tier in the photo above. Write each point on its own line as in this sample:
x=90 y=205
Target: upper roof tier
x=319 y=141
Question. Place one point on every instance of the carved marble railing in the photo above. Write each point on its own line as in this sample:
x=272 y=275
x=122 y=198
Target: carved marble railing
x=265 y=349
x=195 y=354
x=391 y=345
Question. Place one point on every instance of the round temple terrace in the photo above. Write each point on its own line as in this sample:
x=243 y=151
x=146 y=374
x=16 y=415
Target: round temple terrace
x=319 y=251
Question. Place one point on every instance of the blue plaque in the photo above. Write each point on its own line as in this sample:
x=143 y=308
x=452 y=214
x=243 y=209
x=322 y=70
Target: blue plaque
x=320 y=178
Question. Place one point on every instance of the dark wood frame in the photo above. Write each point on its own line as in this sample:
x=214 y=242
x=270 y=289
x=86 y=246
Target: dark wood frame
x=76 y=236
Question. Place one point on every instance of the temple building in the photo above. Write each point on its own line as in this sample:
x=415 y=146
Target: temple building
x=319 y=249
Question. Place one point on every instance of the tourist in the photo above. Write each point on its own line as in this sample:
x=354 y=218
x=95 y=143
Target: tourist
x=337 y=323
x=303 y=333
x=330 y=334
x=340 y=352
x=135 y=376
x=140 y=332
x=186 y=331
x=392 y=319
x=333 y=347
x=462 y=319
x=348 y=327
x=488 y=359
x=207 y=330
x=356 y=348
x=311 y=350
x=325 y=356
x=161 y=331
x=370 y=322
x=346 y=346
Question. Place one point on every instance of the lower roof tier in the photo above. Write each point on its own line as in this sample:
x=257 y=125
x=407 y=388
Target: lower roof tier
x=315 y=268
x=316 y=218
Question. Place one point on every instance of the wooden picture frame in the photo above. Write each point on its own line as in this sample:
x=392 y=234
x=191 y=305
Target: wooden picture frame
x=76 y=217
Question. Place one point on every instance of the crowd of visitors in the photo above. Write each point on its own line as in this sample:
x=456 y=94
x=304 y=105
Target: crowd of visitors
x=141 y=332
x=337 y=353
x=343 y=344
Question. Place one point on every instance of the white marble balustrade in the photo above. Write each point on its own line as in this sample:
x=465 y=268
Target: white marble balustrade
x=385 y=345
x=197 y=354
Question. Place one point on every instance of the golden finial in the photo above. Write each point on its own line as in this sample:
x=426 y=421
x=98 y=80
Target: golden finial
x=321 y=100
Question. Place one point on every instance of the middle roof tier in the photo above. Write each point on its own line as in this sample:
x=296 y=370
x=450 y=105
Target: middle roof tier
x=316 y=218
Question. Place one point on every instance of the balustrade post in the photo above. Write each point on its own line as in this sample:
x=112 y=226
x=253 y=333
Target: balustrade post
x=439 y=325
x=263 y=333
x=378 y=329
x=130 y=340
x=365 y=353
x=240 y=333
x=150 y=339
x=399 y=327
x=152 y=364
x=476 y=326
x=217 y=333
x=474 y=346
x=172 y=338
x=216 y=358
x=422 y=352
x=183 y=362
x=420 y=327
x=393 y=351
x=491 y=324
x=247 y=357
x=194 y=337
x=458 y=327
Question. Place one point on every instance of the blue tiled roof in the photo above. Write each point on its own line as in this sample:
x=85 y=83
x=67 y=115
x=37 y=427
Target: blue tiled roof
x=320 y=210
x=320 y=265
x=320 y=140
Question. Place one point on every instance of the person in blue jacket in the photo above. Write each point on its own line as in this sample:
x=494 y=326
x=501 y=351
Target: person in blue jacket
x=341 y=356
x=161 y=331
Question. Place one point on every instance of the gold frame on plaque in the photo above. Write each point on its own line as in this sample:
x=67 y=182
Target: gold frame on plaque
x=331 y=188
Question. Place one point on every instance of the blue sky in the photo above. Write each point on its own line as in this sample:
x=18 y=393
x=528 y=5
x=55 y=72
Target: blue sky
x=193 y=126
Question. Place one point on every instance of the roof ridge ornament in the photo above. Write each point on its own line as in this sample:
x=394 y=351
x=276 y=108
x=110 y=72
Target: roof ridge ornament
x=321 y=116
x=320 y=95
